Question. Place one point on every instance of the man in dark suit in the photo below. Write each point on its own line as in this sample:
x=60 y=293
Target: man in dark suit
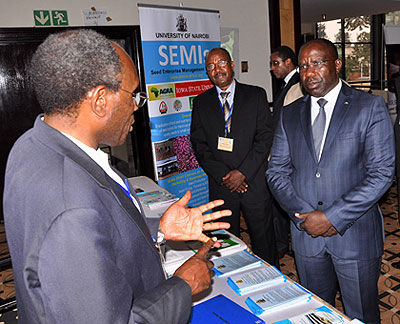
x=81 y=247
x=231 y=138
x=283 y=65
x=331 y=161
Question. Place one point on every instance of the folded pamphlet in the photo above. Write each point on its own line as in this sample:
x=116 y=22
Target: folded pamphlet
x=278 y=298
x=257 y=279
x=236 y=262
x=319 y=315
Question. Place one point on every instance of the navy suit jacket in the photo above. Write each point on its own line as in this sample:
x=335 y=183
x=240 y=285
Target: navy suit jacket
x=81 y=251
x=355 y=169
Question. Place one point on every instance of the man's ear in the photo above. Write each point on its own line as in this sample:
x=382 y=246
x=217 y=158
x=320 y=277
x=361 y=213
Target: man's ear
x=98 y=101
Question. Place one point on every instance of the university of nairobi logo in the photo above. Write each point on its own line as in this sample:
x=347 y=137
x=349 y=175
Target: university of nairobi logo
x=181 y=23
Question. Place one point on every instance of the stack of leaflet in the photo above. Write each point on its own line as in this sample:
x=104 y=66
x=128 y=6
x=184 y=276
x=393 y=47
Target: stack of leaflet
x=264 y=277
x=156 y=199
x=319 y=315
x=230 y=264
x=278 y=298
x=177 y=253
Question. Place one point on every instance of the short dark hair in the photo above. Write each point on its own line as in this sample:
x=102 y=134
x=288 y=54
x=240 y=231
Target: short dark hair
x=219 y=49
x=331 y=47
x=69 y=64
x=285 y=52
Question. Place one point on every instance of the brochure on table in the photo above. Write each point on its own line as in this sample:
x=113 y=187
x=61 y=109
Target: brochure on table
x=220 y=286
x=321 y=314
x=145 y=186
x=178 y=252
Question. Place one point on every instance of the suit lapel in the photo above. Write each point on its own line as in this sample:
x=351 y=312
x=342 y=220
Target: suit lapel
x=294 y=79
x=280 y=97
x=342 y=105
x=51 y=137
x=305 y=120
x=216 y=116
x=238 y=104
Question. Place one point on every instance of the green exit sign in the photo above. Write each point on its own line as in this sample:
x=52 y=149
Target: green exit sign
x=41 y=17
x=59 y=17
x=47 y=18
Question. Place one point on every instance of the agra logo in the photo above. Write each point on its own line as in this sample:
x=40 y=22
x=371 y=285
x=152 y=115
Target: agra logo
x=161 y=91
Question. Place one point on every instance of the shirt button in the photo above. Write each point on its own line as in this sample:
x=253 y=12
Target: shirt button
x=318 y=175
x=320 y=203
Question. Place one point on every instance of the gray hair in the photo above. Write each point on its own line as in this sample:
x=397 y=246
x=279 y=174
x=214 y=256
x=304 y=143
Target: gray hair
x=69 y=64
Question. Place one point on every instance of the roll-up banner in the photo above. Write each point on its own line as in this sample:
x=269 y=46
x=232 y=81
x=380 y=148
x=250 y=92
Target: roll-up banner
x=175 y=42
x=392 y=41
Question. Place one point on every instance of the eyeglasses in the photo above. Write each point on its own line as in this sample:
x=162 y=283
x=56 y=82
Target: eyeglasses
x=220 y=64
x=140 y=97
x=317 y=64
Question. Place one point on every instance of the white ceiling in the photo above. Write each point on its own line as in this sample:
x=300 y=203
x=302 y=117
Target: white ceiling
x=312 y=10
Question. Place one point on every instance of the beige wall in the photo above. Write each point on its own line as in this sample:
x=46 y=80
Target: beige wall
x=250 y=17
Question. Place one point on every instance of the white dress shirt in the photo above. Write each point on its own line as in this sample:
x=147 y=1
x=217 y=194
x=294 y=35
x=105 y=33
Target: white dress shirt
x=289 y=76
x=101 y=158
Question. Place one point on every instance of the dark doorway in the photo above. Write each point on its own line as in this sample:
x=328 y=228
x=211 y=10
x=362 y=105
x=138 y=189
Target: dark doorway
x=19 y=108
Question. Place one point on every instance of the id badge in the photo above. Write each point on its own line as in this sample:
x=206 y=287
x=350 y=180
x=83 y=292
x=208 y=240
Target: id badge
x=225 y=144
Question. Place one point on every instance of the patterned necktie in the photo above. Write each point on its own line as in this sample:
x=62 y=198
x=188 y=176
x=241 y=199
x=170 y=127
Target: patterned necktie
x=318 y=127
x=225 y=105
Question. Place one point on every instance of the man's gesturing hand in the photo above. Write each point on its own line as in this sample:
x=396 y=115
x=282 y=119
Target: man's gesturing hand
x=182 y=224
x=196 y=270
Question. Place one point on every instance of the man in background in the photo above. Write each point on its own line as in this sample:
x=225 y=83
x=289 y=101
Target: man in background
x=283 y=65
x=331 y=161
x=81 y=247
x=231 y=133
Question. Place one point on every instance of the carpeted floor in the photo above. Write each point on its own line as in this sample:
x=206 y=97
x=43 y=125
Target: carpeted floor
x=389 y=282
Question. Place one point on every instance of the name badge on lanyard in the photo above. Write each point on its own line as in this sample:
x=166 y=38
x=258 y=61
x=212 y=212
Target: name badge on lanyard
x=225 y=144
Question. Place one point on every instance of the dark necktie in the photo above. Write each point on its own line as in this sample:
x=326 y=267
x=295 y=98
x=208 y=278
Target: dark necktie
x=318 y=127
x=225 y=105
